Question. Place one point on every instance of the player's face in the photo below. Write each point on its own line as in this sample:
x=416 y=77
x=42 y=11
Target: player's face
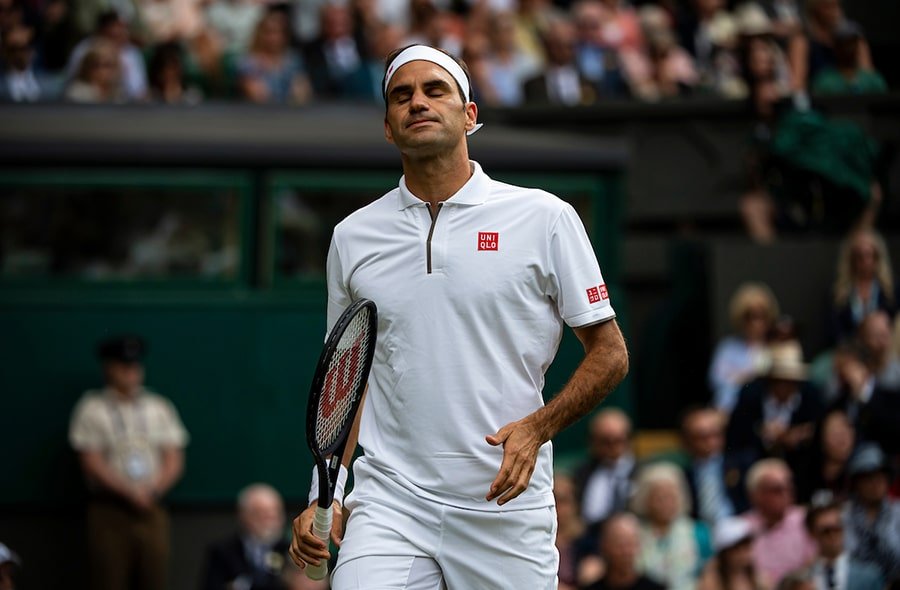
x=425 y=113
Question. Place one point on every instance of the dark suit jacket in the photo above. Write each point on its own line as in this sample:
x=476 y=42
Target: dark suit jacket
x=226 y=562
x=327 y=84
x=875 y=421
x=744 y=434
x=734 y=468
x=842 y=326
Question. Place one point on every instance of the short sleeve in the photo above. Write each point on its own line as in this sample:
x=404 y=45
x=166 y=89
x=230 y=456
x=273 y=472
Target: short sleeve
x=170 y=431
x=576 y=283
x=87 y=427
x=338 y=291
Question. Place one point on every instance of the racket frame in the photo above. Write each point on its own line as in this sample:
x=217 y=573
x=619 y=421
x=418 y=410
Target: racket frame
x=328 y=460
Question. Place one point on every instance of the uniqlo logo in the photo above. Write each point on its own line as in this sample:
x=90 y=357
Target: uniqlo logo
x=593 y=295
x=488 y=240
x=604 y=294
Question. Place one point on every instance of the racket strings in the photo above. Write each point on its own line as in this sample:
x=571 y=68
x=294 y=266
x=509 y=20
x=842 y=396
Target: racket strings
x=342 y=382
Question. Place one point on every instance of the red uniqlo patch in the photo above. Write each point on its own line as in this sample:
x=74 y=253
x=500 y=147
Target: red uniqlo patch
x=603 y=292
x=488 y=240
x=593 y=295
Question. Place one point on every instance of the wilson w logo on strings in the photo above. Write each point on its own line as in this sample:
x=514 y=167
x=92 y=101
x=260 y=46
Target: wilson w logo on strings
x=340 y=379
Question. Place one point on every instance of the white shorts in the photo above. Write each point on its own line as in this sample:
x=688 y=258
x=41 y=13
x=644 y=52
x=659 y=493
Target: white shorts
x=396 y=541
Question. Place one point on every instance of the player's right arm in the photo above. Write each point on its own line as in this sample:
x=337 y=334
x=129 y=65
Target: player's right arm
x=306 y=547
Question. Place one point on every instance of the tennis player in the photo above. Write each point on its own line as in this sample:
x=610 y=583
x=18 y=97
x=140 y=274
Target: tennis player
x=474 y=280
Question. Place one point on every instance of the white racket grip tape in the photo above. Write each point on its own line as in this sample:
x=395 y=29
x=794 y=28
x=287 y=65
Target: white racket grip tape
x=321 y=529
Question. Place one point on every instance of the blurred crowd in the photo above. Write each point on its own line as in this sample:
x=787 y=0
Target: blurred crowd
x=519 y=51
x=787 y=479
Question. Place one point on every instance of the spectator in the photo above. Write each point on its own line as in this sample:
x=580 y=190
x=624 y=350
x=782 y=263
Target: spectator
x=596 y=61
x=763 y=59
x=561 y=83
x=335 y=58
x=166 y=21
x=872 y=519
x=715 y=478
x=604 y=482
x=271 y=72
x=130 y=444
x=775 y=415
x=710 y=34
x=11 y=15
x=382 y=40
x=875 y=339
x=785 y=17
x=666 y=70
x=476 y=53
x=873 y=344
x=873 y=410
x=167 y=84
x=813 y=50
x=673 y=546
x=864 y=283
x=826 y=472
x=848 y=74
x=113 y=30
x=234 y=21
x=508 y=65
x=9 y=567
x=434 y=26
x=834 y=568
x=732 y=567
x=620 y=547
x=781 y=543
x=533 y=17
x=742 y=357
x=256 y=556
x=572 y=539
x=20 y=81
x=98 y=75
x=621 y=28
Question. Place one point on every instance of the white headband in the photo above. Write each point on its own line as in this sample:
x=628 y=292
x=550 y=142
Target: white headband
x=426 y=53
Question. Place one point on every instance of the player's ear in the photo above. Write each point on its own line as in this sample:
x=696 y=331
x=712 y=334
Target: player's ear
x=471 y=115
x=387 y=132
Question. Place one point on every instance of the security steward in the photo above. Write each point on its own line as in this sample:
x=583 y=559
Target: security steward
x=130 y=443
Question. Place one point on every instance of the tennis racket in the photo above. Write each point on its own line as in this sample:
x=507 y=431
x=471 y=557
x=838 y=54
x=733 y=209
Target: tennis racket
x=334 y=397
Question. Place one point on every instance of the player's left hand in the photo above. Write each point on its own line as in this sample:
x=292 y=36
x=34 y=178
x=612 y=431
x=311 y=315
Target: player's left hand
x=521 y=442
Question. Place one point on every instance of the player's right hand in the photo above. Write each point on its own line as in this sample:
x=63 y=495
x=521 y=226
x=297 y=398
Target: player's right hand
x=306 y=547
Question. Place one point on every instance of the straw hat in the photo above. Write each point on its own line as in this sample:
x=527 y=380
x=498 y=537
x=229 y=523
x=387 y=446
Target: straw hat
x=752 y=20
x=786 y=361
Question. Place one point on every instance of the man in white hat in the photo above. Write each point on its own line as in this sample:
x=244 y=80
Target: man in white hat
x=775 y=415
x=474 y=280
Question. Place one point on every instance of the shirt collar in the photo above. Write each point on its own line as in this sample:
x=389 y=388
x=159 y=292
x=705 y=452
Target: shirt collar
x=474 y=192
x=111 y=395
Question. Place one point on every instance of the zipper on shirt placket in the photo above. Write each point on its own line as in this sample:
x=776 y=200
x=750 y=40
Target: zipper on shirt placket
x=434 y=216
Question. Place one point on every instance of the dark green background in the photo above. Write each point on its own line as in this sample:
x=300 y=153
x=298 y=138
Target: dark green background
x=235 y=357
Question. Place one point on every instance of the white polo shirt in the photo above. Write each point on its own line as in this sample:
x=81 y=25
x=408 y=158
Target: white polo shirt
x=471 y=308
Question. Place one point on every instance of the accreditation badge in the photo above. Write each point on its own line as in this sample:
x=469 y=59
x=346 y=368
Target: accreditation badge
x=137 y=461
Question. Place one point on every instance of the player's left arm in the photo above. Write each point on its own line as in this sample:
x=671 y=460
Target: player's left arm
x=604 y=366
